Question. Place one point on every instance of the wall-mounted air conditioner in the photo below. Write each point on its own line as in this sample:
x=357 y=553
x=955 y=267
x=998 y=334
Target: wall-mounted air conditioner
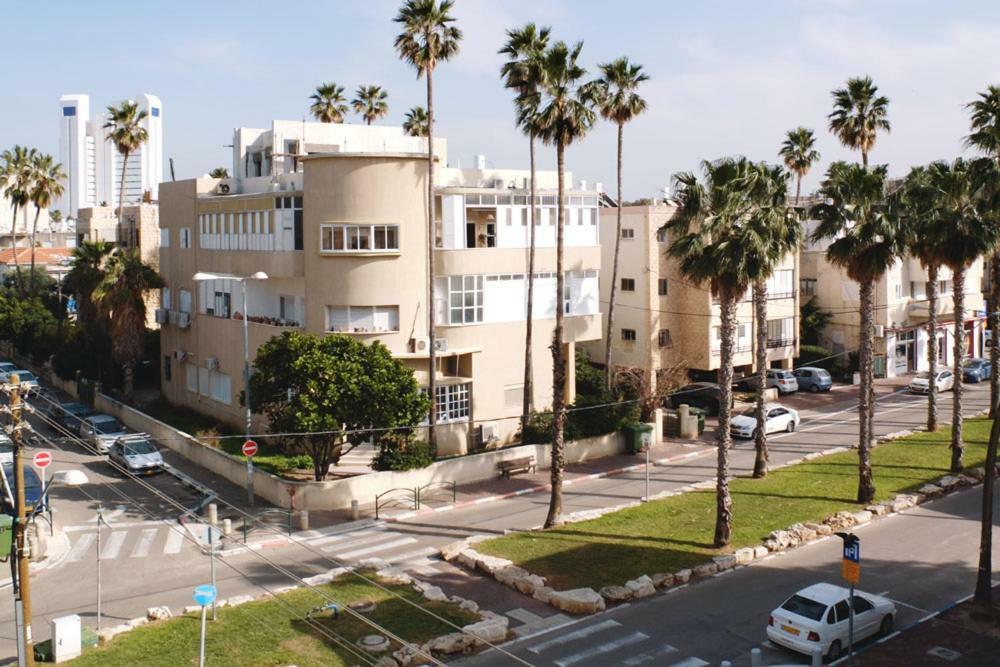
x=183 y=320
x=420 y=344
x=880 y=331
x=212 y=363
x=161 y=315
x=488 y=434
x=180 y=355
x=441 y=344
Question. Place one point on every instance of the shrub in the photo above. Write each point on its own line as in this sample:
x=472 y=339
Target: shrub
x=397 y=452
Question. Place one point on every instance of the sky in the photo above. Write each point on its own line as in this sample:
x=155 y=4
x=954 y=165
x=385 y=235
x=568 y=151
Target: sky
x=726 y=77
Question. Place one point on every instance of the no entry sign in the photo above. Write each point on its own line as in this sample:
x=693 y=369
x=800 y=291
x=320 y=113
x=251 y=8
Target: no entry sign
x=42 y=460
x=249 y=448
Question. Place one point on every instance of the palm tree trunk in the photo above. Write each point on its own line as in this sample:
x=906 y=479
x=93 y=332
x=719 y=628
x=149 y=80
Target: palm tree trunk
x=798 y=189
x=723 y=499
x=431 y=235
x=558 y=359
x=760 y=435
x=932 y=351
x=983 y=599
x=121 y=196
x=34 y=230
x=128 y=380
x=958 y=297
x=864 y=158
x=13 y=243
x=528 y=373
x=994 y=332
x=614 y=266
x=866 y=484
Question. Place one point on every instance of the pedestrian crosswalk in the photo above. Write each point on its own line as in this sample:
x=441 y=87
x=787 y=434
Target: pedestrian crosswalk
x=392 y=547
x=605 y=642
x=126 y=540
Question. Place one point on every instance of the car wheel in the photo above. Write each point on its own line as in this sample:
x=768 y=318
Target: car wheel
x=834 y=653
x=791 y=426
x=814 y=388
x=885 y=629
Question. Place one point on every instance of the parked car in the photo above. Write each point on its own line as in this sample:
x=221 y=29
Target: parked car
x=813 y=379
x=776 y=418
x=921 y=384
x=783 y=381
x=7 y=367
x=748 y=384
x=32 y=488
x=704 y=395
x=101 y=431
x=816 y=619
x=6 y=449
x=137 y=454
x=27 y=379
x=71 y=415
x=976 y=370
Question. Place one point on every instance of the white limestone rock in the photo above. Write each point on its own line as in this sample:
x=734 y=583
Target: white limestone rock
x=744 y=555
x=616 y=594
x=158 y=613
x=578 y=601
x=641 y=587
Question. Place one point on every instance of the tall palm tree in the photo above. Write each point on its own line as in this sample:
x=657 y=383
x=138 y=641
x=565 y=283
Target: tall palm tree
x=127 y=134
x=428 y=37
x=329 y=104
x=867 y=241
x=85 y=274
x=564 y=116
x=16 y=180
x=523 y=73
x=984 y=135
x=219 y=172
x=859 y=113
x=415 y=124
x=717 y=240
x=799 y=155
x=618 y=102
x=46 y=186
x=914 y=201
x=370 y=102
x=776 y=229
x=121 y=296
x=962 y=192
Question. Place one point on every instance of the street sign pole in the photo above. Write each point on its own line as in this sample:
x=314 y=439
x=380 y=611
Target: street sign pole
x=851 y=572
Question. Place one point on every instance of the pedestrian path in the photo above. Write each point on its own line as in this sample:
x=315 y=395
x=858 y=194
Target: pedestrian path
x=357 y=461
x=127 y=540
x=379 y=541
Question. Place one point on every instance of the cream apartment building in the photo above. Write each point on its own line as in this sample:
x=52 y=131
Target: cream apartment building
x=662 y=320
x=901 y=311
x=341 y=235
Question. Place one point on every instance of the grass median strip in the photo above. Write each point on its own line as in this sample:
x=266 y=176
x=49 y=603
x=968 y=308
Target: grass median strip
x=674 y=533
x=273 y=632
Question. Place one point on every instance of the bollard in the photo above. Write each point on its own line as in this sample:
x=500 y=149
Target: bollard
x=227 y=527
x=303 y=519
x=755 y=658
x=355 y=510
x=213 y=514
x=817 y=659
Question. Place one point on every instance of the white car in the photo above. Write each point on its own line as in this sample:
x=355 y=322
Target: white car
x=815 y=620
x=28 y=381
x=6 y=449
x=921 y=384
x=136 y=455
x=776 y=417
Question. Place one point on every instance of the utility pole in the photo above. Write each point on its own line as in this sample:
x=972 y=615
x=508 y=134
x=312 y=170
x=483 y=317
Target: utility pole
x=22 y=584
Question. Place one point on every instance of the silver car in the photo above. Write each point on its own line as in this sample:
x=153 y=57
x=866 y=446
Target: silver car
x=136 y=454
x=101 y=431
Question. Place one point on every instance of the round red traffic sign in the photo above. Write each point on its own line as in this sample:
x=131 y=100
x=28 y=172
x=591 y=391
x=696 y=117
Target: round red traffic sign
x=249 y=448
x=42 y=459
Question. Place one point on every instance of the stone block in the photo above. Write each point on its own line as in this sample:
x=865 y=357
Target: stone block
x=507 y=575
x=744 y=555
x=528 y=584
x=931 y=490
x=663 y=579
x=393 y=575
x=451 y=643
x=705 y=570
x=490 y=564
x=862 y=517
x=682 y=576
x=435 y=594
x=760 y=551
x=726 y=562
x=578 y=601
x=467 y=558
x=616 y=594
x=542 y=594
x=948 y=482
x=158 y=613
x=469 y=605
x=641 y=587
x=492 y=630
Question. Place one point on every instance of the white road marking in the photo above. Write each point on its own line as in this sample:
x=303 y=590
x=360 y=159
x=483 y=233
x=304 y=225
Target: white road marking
x=346 y=537
x=666 y=649
x=174 y=541
x=524 y=616
x=690 y=662
x=81 y=547
x=110 y=549
x=601 y=649
x=378 y=547
x=571 y=636
x=131 y=524
x=910 y=606
x=145 y=543
x=112 y=515
x=418 y=555
x=361 y=541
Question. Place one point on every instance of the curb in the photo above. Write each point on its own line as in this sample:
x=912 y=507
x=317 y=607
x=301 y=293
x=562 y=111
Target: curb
x=294 y=538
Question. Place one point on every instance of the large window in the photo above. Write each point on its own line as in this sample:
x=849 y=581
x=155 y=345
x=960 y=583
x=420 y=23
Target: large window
x=294 y=204
x=362 y=319
x=465 y=299
x=743 y=340
x=781 y=333
x=359 y=238
x=453 y=402
x=780 y=284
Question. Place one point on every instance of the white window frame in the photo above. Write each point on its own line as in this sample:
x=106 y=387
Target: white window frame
x=354 y=313
x=347 y=231
x=466 y=295
x=185 y=237
x=453 y=402
x=165 y=238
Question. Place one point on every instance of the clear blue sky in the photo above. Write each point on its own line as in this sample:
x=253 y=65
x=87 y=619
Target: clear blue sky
x=727 y=77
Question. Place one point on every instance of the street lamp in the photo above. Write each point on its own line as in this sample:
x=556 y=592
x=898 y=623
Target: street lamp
x=202 y=276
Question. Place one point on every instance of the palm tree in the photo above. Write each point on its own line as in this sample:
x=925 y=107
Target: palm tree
x=219 y=172
x=564 y=115
x=415 y=124
x=128 y=135
x=717 y=239
x=85 y=274
x=16 y=180
x=329 y=104
x=914 y=201
x=121 y=296
x=798 y=154
x=859 y=113
x=524 y=74
x=428 y=38
x=46 y=186
x=370 y=102
x=984 y=135
x=867 y=241
x=776 y=229
x=962 y=192
x=618 y=102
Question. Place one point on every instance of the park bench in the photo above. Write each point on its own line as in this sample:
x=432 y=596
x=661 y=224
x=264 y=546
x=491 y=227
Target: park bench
x=514 y=466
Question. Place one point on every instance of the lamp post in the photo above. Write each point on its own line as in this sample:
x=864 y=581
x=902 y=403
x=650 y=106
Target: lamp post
x=260 y=275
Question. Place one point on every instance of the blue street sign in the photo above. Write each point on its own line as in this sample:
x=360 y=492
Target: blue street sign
x=204 y=595
x=852 y=551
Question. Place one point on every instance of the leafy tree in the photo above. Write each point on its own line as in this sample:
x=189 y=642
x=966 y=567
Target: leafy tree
x=127 y=135
x=812 y=321
x=219 y=172
x=428 y=37
x=370 y=102
x=16 y=182
x=335 y=392
x=27 y=324
x=47 y=177
x=415 y=124
x=798 y=154
x=859 y=113
x=329 y=104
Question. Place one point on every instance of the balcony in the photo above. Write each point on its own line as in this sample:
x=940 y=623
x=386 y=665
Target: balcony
x=780 y=342
x=745 y=347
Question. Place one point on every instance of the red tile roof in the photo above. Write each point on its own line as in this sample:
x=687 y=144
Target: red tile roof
x=43 y=256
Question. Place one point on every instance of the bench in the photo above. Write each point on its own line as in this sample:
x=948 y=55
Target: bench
x=514 y=466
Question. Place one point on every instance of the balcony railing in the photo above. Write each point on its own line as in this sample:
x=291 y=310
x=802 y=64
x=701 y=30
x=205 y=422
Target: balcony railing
x=739 y=348
x=780 y=342
x=780 y=295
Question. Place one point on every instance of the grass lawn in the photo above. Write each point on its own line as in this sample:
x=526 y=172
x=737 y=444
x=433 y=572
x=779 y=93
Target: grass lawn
x=273 y=632
x=676 y=532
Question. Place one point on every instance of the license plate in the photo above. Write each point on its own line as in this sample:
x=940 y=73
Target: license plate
x=790 y=630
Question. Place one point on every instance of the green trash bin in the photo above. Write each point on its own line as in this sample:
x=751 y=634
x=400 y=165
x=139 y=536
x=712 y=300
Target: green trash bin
x=700 y=414
x=633 y=437
x=6 y=534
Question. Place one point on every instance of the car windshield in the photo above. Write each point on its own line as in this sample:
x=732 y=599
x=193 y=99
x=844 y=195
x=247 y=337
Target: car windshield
x=923 y=375
x=973 y=363
x=805 y=607
x=750 y=412
x=106 y=426
x=31 y=481
x=26 y=376
x=139 y=448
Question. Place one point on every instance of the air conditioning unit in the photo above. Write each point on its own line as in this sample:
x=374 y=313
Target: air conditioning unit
x=180 y=355
x=223 y=188
x=488 y=434
x=420 y=344
x=183 y=320
x=212 y=363
x=162 y=315
x=441 y=344
x=880 y=331
x=499 y=184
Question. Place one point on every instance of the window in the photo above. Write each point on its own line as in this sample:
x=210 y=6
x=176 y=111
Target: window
x=166 y=367
x=359 y=238
x=452 y=402
x=917 y=289
x=223 y=305
x=286 y=308
x=628 y=284
x=807 y=286
x=165 y=298
x=661 y=235
x=843 y=611
x=780 y=333
x=661 y=286
x=185 y=301
x=362 y=319
x=779 y=285
x=185 y=237
x=944 y=287
x=220 y=387
x=164 y=238
x=664 y=338
x=899 y=291
x=192 y=377
x=628 y=335
x=628 y=233
x=465 y=299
